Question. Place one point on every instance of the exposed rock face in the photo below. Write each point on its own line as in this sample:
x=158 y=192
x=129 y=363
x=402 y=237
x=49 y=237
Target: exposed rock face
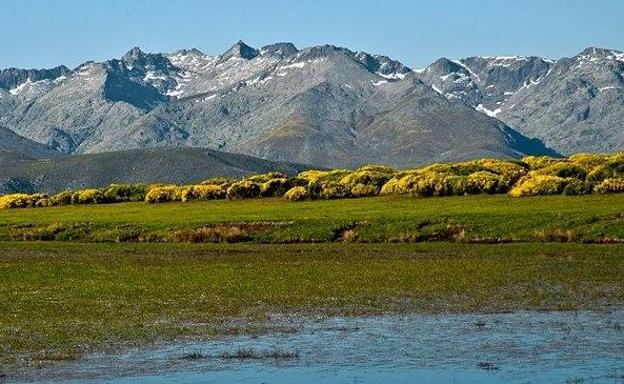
x=578 y=107
x=572 y=104
x=323 y=105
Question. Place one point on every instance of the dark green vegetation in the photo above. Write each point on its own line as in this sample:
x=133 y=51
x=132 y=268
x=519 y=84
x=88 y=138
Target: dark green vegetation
x=60 y=300
x=483 y=218
x=580 y=174
x=27 y=173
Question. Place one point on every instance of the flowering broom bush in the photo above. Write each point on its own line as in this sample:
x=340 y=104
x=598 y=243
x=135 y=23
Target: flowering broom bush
x=244 y=189
x=534 y=185
x=610 y=186
x=297 y=194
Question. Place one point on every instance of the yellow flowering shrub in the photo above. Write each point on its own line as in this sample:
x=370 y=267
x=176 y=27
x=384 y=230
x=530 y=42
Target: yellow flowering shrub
x=88 y=196
x=275 y=187
x=63 y=198
x=116 y=193
x=484 y=182
x=364 y=190
x=162 y=194
x=20 y=200
x=537 y=162
x=610 y=186
x=535 y=184
x=318 y=175
x=379 y=168
x=563 y=169
x=600 y=173
x=263 y=178
x=297 y=194
x=224 y=182
x=372 y=178
x=588 y=160
x=391 y=187
x=578 y=187
x=243 y=189
x=508 y=170
x=206 y=192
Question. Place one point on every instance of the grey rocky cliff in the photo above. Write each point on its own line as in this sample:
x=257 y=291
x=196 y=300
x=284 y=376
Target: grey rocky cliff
x=323 y=105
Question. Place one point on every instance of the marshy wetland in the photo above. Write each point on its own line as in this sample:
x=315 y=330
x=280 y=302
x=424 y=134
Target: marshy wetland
x=469 y=288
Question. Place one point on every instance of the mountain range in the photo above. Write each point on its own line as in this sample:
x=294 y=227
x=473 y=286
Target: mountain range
x=326 y=106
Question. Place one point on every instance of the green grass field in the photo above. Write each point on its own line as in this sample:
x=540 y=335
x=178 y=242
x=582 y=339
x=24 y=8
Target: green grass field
x=98 y=287
x=594 y=218
x=58 y=300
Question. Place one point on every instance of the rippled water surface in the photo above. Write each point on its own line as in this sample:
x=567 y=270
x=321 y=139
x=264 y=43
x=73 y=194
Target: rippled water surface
x=566 y=347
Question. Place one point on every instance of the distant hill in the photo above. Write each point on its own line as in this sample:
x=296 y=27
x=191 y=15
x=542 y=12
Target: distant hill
x=14 y=146
x=20 y=173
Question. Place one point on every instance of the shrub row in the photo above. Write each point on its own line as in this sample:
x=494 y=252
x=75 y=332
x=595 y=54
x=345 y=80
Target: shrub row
x=531 y=176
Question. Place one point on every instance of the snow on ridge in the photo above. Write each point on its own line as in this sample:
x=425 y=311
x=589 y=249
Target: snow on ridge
x=177 y=93
x=467 y=69
x=392 y=76
x=294 y=65
x=488 y=112
x=152 y=75
x=617 y=55
x=444 y=77
x=438 y=90
x=609 y=87
x=40 y=85
x=16 y=90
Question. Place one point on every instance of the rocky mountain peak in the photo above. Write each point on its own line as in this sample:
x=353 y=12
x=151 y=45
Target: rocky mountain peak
x=136 y=59
x=241 y=50
x=279 y=49
x=133 y=54
x=445 y=66
x=190 y=52
x=596 y=51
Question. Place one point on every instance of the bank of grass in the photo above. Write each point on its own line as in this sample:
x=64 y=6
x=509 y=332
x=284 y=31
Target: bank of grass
x=59 y=300
x=482 y=218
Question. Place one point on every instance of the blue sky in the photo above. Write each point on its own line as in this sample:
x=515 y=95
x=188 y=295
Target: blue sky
x=44 y=33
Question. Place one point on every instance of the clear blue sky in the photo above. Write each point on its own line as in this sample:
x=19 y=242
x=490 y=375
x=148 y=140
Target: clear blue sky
x=44 y=33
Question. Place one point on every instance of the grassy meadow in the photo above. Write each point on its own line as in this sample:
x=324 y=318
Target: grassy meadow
x=481 y=218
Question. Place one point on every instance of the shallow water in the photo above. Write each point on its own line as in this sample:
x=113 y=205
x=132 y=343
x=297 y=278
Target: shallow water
x=522 y=347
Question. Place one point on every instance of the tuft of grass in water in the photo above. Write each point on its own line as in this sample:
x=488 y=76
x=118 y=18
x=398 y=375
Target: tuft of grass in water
x=251 y=354
x=488 y=366
x=195 y=355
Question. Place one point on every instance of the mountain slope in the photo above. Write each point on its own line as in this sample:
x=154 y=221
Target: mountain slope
x=324 y=105
x=572 y=105
x=13 y=145
x=157 y=165
x=578 y=107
